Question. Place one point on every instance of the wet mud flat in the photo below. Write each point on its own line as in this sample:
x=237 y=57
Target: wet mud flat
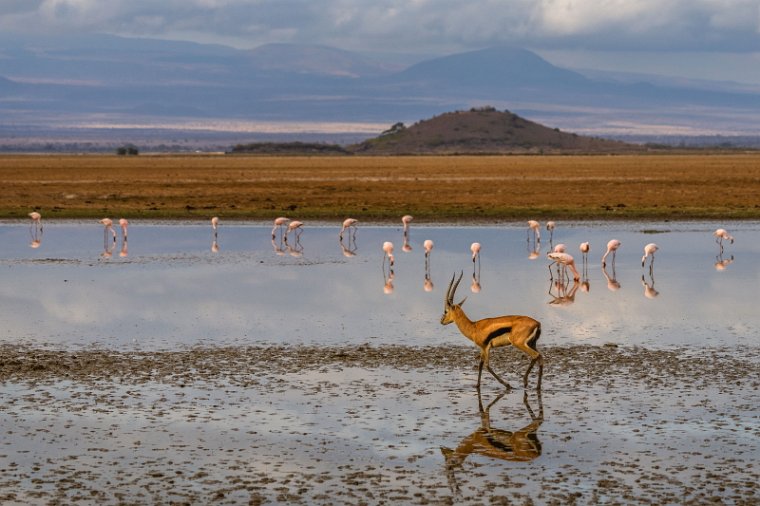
x=367 y=424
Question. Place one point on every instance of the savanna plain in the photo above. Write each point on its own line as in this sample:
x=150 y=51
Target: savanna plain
x=361 y=422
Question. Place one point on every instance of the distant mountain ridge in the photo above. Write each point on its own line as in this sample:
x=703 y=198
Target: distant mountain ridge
x=70 y=80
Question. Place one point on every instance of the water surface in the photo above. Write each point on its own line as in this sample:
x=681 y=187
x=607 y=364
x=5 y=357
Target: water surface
x=171 y=290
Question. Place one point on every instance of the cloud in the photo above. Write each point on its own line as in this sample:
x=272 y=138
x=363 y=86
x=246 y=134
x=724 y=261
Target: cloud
x=409 y=25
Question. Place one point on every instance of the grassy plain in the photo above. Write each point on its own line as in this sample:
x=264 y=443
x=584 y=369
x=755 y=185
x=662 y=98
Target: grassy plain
x=432 y=188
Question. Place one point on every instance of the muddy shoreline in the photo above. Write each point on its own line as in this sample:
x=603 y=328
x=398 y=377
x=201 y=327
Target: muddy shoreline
x=364 y=425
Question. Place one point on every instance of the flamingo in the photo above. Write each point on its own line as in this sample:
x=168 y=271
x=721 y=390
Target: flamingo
x=428 y=245
x=475 y=248
x=722 y=234
x=535 y=226
x=388 y=249
x=123 y=223
x=585 y=248
x=406 y=219
x=348 y=223
x=649 y=250
x=278 y=223
x=559 y=248
x=566 y=260
x=107 y=225
x=214 y=224
x=296 y=227
x=612 y=247
x=36 y=219
x=550 y=227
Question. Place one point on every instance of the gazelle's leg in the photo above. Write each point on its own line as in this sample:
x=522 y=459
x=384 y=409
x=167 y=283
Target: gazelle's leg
x=493 y=373
x=480 y=370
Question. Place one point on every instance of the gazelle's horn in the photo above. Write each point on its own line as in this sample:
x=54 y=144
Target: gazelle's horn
x=454 y=289
x=448 y=299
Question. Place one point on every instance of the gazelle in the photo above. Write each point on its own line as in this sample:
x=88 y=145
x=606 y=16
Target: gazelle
x=522 y=332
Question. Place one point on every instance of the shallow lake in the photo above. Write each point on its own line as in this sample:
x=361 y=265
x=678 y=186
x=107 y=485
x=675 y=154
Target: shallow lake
x=170 y=290
x=165 y=371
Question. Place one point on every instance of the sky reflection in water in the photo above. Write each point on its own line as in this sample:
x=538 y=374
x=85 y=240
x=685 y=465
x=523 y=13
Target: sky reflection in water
x=171 y=290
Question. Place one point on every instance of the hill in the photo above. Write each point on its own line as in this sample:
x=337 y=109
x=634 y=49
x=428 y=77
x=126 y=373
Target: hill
x=484 y=131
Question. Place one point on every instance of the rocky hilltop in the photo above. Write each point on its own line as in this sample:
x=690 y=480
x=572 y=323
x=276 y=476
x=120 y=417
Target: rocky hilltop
x=484 y=130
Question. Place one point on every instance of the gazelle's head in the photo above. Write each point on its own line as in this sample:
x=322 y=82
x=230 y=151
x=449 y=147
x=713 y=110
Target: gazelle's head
x=448 y=303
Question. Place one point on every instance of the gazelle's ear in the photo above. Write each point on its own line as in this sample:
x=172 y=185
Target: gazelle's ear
x=462 y=301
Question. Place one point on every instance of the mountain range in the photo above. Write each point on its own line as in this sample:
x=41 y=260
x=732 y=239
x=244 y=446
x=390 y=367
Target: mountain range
x=58 y=84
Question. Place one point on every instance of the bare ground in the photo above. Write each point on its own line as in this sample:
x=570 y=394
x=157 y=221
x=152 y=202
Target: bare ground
x=363 y=425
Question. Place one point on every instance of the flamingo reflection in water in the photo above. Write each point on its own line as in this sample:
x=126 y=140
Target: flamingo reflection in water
x=428 y=246
x=649 y=291
x=721 y=263
x=35 y=229
x=521 y=445
x=388 y=275
x=613 y=284
x=561 y=292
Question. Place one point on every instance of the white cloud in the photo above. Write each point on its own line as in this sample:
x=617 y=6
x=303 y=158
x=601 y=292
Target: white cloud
x=403 y=25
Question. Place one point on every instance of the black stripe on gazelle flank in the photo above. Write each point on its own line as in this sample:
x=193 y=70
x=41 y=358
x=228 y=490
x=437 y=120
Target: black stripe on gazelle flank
x=496 y=333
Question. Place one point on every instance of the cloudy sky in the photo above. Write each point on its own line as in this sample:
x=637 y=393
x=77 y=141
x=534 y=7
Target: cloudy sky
x=714 y=39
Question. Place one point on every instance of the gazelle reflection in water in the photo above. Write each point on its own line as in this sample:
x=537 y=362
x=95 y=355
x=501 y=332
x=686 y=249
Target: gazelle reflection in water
x=522 y=332
x=521 y=445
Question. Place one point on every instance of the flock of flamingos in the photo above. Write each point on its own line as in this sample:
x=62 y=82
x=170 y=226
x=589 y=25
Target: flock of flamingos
x=521 y=332
x=286 y=226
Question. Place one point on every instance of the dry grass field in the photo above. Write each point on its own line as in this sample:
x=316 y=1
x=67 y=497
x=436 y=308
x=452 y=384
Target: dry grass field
x=454 y=188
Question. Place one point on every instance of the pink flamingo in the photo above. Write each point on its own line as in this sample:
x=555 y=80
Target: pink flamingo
x=296 y=227
x=475 y=248
x=214 y=225
x=123 y=223
x=612 y=247
x=406 y=220
x=388 y=249
x=108 y=225
x=649 y=250
x=585 y=248
x=550 y=227
x=722 y=234
x=278 y=223
x=559 y=248
x=535 y=227
x=36 y=220
x=347 y=224
x=428 y=245
x=566 y=260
